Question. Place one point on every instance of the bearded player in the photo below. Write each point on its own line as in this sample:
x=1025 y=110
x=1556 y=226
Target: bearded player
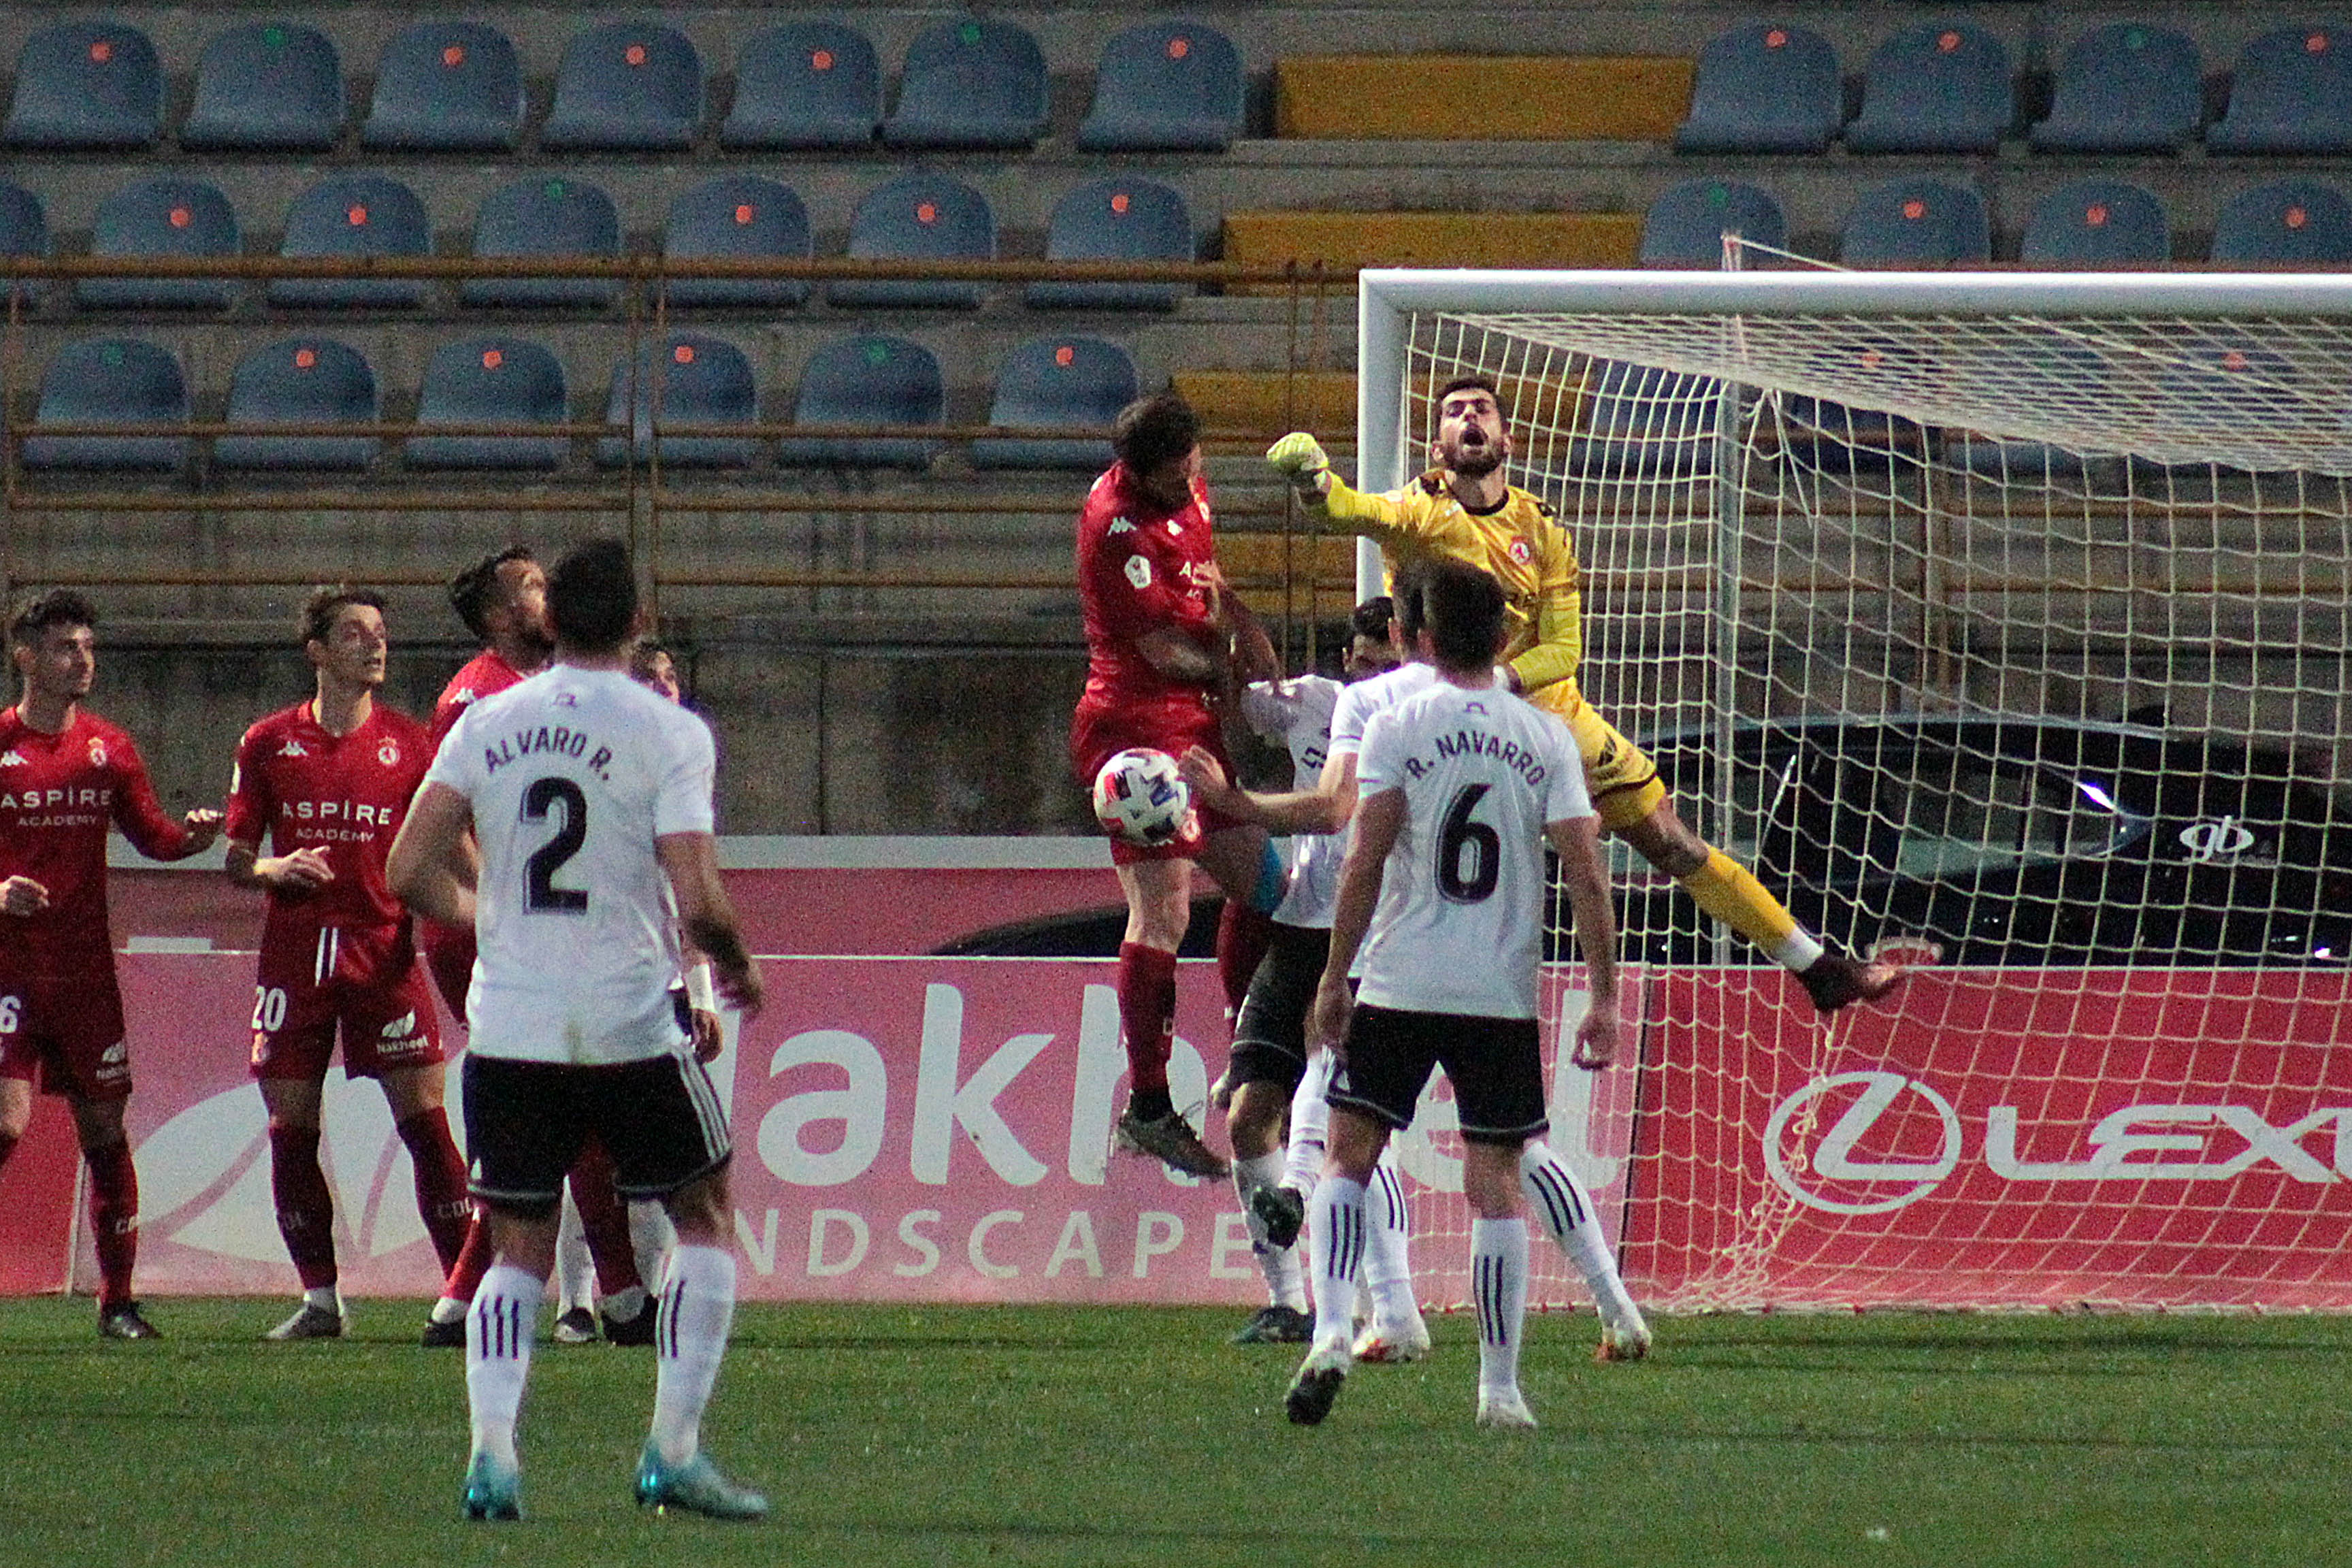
x=326 y=782
x=65 y=774
x=1464 y=510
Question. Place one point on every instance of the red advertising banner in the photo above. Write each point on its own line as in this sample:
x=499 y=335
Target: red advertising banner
x=36 y=1199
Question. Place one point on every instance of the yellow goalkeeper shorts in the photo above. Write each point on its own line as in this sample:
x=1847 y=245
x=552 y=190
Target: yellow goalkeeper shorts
x=1624 y=781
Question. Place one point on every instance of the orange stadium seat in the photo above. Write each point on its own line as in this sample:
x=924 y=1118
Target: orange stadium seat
x=1481 y=98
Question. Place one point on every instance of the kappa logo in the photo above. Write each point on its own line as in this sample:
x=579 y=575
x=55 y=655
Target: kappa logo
x=402 y=1027
x=388 y=754
x=292 y=749
x=1119 y=525
x=13 y=758
x=1175 y=528
x=115 y=1054
x=464 y=695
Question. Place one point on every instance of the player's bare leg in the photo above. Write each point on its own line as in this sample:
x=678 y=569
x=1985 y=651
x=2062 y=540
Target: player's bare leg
x=697 y=1308
x=113 y=1214
x=1499 y=1278
x=306 y=1208
x=1728 y=891
x=16 y=1115
x=1159 y=908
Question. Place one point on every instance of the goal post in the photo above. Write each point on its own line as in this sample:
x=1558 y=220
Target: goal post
x=2001 y=617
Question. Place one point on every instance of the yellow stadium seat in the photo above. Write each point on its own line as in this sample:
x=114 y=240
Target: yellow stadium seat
x=1268 y=403
x=1433 y=239
x=1482 y=98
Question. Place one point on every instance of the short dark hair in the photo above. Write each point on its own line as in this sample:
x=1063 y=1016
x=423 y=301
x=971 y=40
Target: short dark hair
x=1411 y=611
x=1152 y=432
x=1370 y=619
x=475 y=590
x=1479 y=379
x=319 y=610
x=1463 y=610
x=591 y=596
x=35 y=613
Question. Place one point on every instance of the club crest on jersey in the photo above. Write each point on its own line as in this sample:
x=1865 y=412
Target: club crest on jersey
x=1175 y=528
x=388 y=754
x=13 y=758
x=1139 y=571
x=1520 y=550
x=292 y=749
x=98 y=753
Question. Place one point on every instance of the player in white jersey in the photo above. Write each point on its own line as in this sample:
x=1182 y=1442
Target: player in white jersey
x=590 y=798
x=1443 y=898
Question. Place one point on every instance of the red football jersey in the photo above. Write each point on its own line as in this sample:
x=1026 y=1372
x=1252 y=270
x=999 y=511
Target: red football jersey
x=344 y=793
x=58 y=793
x=1139 y=568
x=483 y=676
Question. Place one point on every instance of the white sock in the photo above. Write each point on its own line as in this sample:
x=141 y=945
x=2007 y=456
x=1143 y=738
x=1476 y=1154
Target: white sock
x=651 y=1236
x=575 y=1271
x=1498 y=1284
x=1336 y=1244
x=1310 y=1124
x=1388 y=1261
x=326 y=1298
x=1797 y=952
x=623 y=1306
x=697 y=1306
x=1286 y=1282
x=499 y=1327
x=448 y=1310
x=1565 y=1209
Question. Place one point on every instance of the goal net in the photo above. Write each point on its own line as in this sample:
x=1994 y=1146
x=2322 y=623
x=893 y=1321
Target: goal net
x=1999 y=623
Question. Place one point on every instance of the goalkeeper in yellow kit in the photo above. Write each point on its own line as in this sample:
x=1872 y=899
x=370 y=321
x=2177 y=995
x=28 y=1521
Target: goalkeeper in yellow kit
x=1462 y=509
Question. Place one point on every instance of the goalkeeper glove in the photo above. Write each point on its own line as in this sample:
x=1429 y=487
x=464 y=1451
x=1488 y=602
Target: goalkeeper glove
x=1300 y=458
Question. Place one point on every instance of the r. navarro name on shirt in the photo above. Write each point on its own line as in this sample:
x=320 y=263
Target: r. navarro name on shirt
x=558 y=740
x=1478 y=743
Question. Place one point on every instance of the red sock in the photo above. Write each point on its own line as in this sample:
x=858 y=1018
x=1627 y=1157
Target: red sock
x=1243 y=935
x=473 y=1259
x=1147 y=1013
x=306 y=1210
x=441 y=1197
x=604 y=1220
x=114 y=1215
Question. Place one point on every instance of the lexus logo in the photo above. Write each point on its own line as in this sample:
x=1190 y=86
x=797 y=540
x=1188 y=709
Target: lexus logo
x=1819 y=1170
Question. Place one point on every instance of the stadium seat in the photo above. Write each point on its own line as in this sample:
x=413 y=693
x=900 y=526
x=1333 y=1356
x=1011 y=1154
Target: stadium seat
x=925 y=217
x=162 y=217
x=1939 y=88
x=2125 y=88
x=85 y=85
x=2292 y=93
x=1917 y=222
x=1119 y=219
x=1165 y=87
x=109 y=382
x=354 y=215
x=2097 y=222
x=1646 y=421
x=2047 y=363
x=2294 y=222
x=1764 y=88
x=868 y=379
x=970 y=83
x=808 y=84
x=544 y=215
x=627 y=87
x=744 y=215
x=491 y=381
x=23 y=229
x=269 y=87
x=447 y=87
x=1685 y=227
x=697 y=379
x=1059 y=384
x=301 y=381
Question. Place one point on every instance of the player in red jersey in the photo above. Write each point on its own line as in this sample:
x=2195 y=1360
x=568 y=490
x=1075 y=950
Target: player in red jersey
x=1159 y=625
x=327 y=782
x=65 y=774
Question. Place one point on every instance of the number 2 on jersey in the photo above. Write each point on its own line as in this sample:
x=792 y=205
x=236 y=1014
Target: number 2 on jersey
x=1460 y=838
x=541 y=894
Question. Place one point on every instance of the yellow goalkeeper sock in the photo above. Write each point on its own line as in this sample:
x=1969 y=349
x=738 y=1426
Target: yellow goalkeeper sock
x=1724 y=888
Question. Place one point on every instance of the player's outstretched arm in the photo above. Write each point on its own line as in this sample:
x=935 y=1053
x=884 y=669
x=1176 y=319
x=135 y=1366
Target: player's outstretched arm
x=431 y=868
x=1378 y=824
x=1576 y=840
x=706 y=915
x=1300 y=458
x=1326 y=809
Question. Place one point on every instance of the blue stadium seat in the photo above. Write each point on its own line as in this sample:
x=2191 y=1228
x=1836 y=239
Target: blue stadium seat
x=971 y=83
x=1687 y=225
x=2241 y=384
x=1165 y=87
x=162 y=217
x=491 y=381
x=2125 y=88
x=1059 y=384
x=2097 y=222
x=1917 y=222
x=1764 y=88
x=546 y=214
x=807 y=84
x=447 y=87
x=354 y=215
x=1120 y=219
x=1939 y=88
x=268 y=87
x=2294 y=222
x=1647 y=421
x=925 y=218
x=744 y=215
x=698 y=380
x=301 y=381
x=868 y=379
x=85 y=85
x=628 y=87
x=23 y=231
x=109 y=382
x=2292 y=93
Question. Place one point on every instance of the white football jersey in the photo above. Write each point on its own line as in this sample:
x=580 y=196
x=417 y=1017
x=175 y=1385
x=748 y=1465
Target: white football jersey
x=1460 y=922
x=573 y=776
x=1297 y=712
x=1359 y=703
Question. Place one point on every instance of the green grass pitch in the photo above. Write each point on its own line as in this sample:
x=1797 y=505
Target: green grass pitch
x=975 y=1435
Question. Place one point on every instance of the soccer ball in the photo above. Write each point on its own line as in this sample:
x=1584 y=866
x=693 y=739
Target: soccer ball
x=1139 y=797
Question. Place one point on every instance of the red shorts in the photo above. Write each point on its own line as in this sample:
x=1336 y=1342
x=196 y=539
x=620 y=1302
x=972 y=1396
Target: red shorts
x=449 y=954
x=1100 y=733
x=67 y=1030
x=367 y=982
